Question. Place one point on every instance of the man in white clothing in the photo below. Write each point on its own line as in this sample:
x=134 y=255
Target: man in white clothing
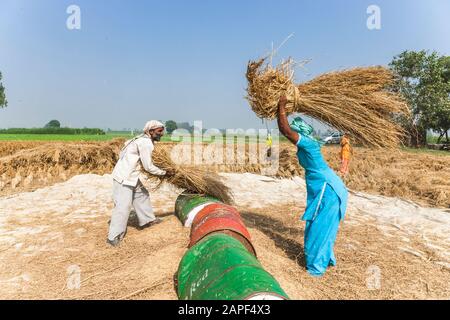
x=128 y=190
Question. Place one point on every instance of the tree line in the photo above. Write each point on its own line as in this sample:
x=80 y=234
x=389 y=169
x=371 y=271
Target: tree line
x=3 y=101
x=424 y=81
x=69 y=131
x=53 y=127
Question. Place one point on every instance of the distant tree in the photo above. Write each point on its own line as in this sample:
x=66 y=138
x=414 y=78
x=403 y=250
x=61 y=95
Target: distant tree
x=171 y=126
x=443 y=122
x=424 y=81
x=186 y=126
x=446 y=63
x=3 y=101
x=53 y=124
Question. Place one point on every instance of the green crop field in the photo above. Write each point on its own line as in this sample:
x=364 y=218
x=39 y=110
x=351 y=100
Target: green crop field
x=111 y=135
x=428 y=151
x=61 y=137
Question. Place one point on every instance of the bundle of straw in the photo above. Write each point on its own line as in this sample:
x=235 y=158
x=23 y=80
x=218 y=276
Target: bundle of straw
x=191 y=179
x=355 y=101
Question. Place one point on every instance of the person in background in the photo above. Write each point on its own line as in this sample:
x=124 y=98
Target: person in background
x=345 y=155
x=269 y=143
x=128 y=190
x=326 y=194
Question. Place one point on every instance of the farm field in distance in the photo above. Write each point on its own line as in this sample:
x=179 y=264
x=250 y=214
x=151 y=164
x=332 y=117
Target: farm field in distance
x=64 y=137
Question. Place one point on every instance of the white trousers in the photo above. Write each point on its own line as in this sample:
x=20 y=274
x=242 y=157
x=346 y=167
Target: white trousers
x=125 y=197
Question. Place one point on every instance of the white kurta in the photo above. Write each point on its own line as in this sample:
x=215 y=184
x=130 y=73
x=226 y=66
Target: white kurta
x=127 y=169
x=128 y=191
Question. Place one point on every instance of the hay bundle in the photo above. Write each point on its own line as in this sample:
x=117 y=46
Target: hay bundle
x=191 y=179
x=354 y=101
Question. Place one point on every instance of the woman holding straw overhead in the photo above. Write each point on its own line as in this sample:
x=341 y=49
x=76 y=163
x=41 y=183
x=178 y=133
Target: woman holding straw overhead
x=326 y=194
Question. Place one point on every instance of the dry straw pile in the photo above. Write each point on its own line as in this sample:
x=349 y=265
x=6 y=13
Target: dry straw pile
x=32 y=165
x=420 y=177
x=191 y=179
x=355 y=101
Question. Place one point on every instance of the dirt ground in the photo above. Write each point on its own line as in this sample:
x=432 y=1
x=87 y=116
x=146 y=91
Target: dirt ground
x=388 y=247
x=421 y=177
x=49 y=235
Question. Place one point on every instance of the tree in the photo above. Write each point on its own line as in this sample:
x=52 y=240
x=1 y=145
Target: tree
x=53 y=124
x=424 y=81
x=186 y=126
x=443 y=123
x=3 y=101
x=446 y=63
x=171 y=126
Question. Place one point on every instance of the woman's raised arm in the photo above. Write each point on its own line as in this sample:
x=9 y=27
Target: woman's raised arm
x=283 y=123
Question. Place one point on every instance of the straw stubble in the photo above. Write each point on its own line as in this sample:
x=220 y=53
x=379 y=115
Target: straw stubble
x=191 y=179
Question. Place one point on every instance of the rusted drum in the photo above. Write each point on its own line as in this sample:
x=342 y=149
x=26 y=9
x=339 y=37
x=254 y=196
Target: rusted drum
x=216 y=218
x=212 y=207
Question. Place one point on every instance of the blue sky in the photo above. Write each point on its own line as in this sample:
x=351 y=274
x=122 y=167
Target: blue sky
x=185 y=60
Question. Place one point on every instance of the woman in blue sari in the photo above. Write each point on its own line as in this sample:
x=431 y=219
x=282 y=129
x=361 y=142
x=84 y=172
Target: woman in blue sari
x=326 y=194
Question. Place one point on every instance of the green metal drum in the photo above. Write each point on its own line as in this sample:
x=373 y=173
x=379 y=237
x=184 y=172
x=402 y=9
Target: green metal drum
x=186 y=203
x=219 y=267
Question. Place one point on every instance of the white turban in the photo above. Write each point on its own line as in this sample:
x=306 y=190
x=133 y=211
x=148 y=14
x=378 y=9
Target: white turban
x=153 y=124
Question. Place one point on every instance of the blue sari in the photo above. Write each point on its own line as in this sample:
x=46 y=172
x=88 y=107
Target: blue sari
x=326 y=204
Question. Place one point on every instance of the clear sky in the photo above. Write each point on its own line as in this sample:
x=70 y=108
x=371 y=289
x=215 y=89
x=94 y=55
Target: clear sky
x=185 y=60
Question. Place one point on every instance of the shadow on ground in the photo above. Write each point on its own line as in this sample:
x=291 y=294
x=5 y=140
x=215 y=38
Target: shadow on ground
x=134 y=222
x=283 y=236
